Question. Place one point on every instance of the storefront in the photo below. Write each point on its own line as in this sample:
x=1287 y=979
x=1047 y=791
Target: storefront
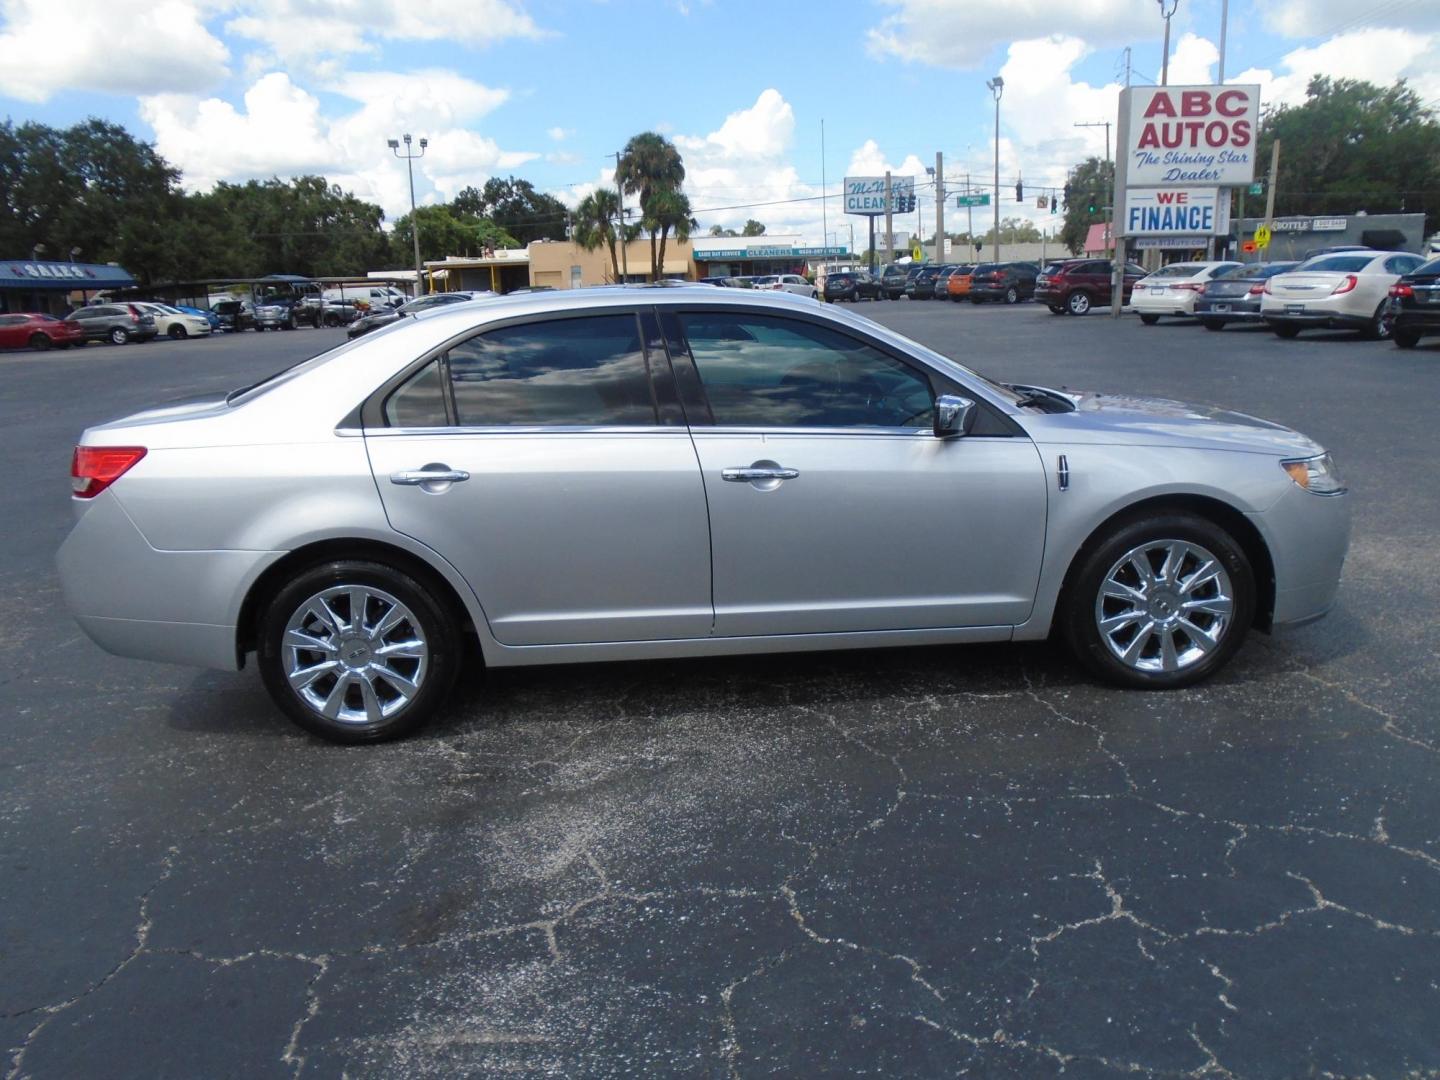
x=55 y=288
x=733 y=256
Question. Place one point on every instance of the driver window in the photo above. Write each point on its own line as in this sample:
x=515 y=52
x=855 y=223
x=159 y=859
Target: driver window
x=766 y=371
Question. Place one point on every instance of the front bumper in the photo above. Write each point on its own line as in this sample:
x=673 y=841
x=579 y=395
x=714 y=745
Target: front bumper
x=131 y=599
x=1308 y=536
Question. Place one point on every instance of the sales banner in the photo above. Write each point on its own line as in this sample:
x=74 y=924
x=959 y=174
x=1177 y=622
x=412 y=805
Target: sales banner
x=1175 y=211
x=1176 y=136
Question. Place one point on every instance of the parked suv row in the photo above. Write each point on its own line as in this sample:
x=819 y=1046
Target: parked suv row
x=1007 y=281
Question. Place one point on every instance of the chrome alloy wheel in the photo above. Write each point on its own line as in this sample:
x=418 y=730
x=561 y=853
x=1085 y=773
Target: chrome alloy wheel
x=1164 y=606
x=354 y=654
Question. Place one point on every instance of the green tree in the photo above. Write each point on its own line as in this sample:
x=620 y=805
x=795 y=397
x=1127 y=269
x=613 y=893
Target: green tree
x=1354 y=146
x=720 y=230
x=752 y=228
x=651 y=168
x=667 y=212
x=1089 y=194
x=595 y=220
x=517 y=207
x=444 y=232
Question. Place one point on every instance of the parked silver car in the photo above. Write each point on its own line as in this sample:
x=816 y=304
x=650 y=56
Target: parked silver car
x=680 y=471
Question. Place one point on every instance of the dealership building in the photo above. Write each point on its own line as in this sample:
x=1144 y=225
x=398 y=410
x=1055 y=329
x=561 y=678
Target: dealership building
x=53 y=288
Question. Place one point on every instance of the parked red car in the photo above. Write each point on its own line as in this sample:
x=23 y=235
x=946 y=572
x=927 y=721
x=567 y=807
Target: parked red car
x=1074 y=286
x=36 y=331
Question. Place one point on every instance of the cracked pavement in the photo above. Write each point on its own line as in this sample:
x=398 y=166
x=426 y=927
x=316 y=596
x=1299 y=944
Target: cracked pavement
x=908 y=862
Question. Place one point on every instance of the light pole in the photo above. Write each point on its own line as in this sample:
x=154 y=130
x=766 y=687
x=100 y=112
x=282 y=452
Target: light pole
x=997 y=87
x=1167 y=8
x=414 y=220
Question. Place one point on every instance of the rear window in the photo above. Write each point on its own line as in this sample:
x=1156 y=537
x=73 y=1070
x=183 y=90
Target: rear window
x=842 y=277
x=1177 y=270
x=1338 y=264
x=1431 y=267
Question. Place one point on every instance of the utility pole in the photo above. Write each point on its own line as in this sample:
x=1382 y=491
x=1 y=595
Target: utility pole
x=824 y=196
x=889 y=235
x=1270 y=195
x=1110 y=215
x=969 y=213
x=1127 y=66
x=414 y=220
x=939 y=207
x=1224 y=23
x=997 y=87
x=624 y=244
x=1167 y=9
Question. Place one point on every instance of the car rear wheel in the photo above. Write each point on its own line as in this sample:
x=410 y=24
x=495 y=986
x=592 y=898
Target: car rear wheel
x=40 y=342
x=1012 y=295
x=176 y=332
x=119 y=335
x=1213 y=324
x=1078 y=303
x=1379 y=327
x=1162 y=602
x=1405 y=339
x=1285 y=329
x=356 y=651
x=1149 y=320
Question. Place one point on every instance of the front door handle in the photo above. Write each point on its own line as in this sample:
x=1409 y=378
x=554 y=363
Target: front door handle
x=747 y=474
x=429 y=474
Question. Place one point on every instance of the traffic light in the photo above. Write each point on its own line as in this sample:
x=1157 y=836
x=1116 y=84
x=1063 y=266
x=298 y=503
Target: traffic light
x=1054 y=202
x=1019 y=191
x=1067 y=194
x=979 y=246
x=1090 y=203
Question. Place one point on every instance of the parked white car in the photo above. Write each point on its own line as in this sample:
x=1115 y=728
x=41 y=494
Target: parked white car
x=1348 y=289
x=792 y=283
x=379 y=297
x=174 y=323
x=1173 y=289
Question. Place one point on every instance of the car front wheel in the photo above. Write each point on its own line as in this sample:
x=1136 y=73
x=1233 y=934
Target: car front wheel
x=176 y=332
x=355 y=651
x=1161 y=602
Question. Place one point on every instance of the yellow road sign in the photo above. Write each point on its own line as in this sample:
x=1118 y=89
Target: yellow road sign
x=1262 y=236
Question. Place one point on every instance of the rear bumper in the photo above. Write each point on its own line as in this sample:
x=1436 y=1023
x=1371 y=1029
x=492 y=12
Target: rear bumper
x=1420 y=322
x=1162 y=305
x=1237 y=310
x=131 y=599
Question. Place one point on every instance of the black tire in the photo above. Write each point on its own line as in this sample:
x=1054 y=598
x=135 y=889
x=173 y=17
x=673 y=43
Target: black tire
x=1405 y=339
x=1285 y=329
x=1077 y=616
x=1056 y=309
x=1213 y=324
x=176 y=332
x=436 y=620
x=1012 y=295
x=332 y=320
x=1078 y=302
x=259 y=329
x=40 y=342
x=291 y=323
x=1149 y=320
x=1379 y=327
x=118 y=335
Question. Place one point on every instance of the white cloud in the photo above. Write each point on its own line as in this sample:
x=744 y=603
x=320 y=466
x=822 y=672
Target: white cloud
x=559 y=134
x=297 y=29
x=869 y=160
x=1379 y=56
x=945 y=33
x=765 y=130
x=129 y=47
x=1309 y=18
x=1192 y=61
x=281 y=130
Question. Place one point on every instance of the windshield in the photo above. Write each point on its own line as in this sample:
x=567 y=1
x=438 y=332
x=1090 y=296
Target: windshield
x=1337 y=264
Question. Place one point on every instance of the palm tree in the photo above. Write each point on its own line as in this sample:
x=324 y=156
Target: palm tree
x=595 y=220
x=669 y=211
x=651 y=167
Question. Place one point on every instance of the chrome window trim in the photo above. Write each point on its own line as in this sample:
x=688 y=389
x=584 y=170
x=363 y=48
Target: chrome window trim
x=532 y=429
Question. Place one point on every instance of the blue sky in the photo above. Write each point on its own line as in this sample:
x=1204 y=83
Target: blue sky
x=547 y=89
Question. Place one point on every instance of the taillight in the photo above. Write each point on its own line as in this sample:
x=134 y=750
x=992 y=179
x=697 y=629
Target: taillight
x=94 y=468
x=1401 y=292
x=1257 y=289
x=1348 y=285
x=1266 y=289
x=1190 y=286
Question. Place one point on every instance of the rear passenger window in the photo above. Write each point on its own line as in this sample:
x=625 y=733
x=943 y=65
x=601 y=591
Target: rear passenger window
x=420 y=401
x=588 y=371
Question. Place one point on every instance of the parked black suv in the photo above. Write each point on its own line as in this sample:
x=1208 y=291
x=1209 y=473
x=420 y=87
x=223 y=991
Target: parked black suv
x=1415 y=305
x=852 y=285
x=233 y=314
x=117 y=323
x=1008 y=281
x=923 y=285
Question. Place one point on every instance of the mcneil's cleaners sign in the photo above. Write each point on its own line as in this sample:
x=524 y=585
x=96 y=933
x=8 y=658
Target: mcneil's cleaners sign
x=1202 y=135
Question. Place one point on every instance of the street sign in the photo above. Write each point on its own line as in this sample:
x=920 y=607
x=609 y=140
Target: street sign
x=963 y=201
x=1262 y=236
x=1042 y=203
x=1257 y=188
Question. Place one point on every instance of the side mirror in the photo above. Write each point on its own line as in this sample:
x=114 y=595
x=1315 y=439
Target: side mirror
x=952 y=416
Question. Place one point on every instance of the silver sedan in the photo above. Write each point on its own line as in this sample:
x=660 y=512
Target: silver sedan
x=658 y=472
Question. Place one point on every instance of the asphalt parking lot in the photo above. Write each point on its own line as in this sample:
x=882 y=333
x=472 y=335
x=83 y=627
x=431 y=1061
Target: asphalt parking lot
x=909 y=862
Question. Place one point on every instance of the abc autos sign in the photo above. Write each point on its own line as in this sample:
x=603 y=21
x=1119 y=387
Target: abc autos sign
x=1189 y=135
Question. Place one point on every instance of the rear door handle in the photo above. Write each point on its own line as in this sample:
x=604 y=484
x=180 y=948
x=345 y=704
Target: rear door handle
x=749 y=473
x=430 y=474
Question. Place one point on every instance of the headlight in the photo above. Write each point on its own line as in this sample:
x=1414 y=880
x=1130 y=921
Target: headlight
x=1316 y=475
